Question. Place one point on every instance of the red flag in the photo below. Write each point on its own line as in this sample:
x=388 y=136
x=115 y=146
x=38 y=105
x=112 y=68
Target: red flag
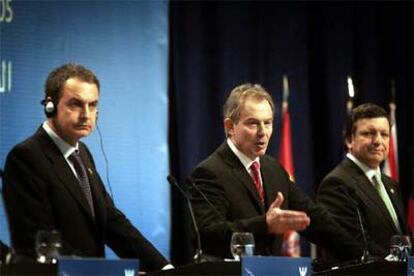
x=291 y=240
x=391 y=164
x=285 y=150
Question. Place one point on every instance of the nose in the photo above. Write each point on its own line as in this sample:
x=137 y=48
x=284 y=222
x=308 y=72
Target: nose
x=261 y=128
x=378 y=138
x=86 y=112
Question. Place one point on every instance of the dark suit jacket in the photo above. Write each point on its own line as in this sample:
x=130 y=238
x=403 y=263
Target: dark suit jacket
x=228 y=185
x=347 y=187
x=41 y=192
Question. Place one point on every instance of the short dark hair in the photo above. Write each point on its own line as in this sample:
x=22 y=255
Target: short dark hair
x=363 y=111
x=57 y=78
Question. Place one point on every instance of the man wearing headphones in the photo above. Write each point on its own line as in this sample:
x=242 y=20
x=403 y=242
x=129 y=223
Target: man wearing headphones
x=51 y=183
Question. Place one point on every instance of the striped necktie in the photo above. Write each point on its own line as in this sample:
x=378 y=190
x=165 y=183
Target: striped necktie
x=83 y=178
x=255 y=167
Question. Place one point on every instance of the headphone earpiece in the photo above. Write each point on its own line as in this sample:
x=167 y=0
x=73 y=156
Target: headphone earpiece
x=49 y=107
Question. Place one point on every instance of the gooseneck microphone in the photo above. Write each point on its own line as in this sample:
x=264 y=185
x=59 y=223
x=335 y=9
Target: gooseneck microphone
x=205 y=198
x=350 y=192
x=203 y=195
x=365 y=254
x=198 y=255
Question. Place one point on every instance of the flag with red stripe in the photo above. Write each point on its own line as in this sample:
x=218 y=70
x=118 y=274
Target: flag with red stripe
x=391 y=167
x=391 y=164
x=291 y=240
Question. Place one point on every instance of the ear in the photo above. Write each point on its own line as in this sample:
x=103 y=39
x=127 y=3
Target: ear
x=348 y=142
x=229 y=126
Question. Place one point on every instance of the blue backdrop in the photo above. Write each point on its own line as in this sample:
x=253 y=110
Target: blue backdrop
x=126 y=45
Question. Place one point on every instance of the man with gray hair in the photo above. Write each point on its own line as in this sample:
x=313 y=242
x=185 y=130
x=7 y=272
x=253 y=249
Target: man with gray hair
x=250 y=190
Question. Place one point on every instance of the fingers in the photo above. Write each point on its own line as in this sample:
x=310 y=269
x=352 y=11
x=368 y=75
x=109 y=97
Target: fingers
x=293 y=220
x=280 y=221
x=278 y=201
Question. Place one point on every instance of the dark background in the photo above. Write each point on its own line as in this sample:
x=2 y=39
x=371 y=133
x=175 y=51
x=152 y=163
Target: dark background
x=215 y=46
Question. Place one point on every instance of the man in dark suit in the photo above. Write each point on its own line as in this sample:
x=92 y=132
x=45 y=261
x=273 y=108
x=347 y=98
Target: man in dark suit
x=45 y=188
x=251 y=191
x=357 y=182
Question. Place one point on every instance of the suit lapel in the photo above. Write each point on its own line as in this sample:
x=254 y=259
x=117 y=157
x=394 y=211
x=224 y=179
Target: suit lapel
x=240 y=172
x=370 y=195
x=269 y=181
x=62 y=170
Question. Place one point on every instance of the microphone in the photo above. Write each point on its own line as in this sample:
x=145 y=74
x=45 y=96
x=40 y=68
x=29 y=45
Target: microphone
x=203 y=195
x=198 y=256
x=206 y=199
x=350 y=192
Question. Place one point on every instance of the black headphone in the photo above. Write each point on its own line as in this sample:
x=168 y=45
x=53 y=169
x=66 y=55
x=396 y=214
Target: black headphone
x=49 y=107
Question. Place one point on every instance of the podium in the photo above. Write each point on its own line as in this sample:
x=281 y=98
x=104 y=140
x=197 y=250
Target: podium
x=370 y=268
x=207 y=268
x=248 y=266
x=257 y=266
x=75 y=267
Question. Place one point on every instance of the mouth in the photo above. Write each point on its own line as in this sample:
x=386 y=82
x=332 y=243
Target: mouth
x=261 y=144
x=84 y=127
x=377 y=152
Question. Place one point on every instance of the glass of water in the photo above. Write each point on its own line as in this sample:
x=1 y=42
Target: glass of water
x=241 y=244
x=400 y=248
x=48 y=246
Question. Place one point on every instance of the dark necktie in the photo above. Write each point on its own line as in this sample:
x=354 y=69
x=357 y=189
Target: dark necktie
x=83 y=178
x=255 y=167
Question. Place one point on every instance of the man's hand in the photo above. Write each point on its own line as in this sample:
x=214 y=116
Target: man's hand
x=280 y=221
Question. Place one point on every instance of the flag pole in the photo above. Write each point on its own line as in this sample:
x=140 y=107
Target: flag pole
x=351 y=94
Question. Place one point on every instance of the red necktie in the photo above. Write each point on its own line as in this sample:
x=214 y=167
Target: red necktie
x=256 y=179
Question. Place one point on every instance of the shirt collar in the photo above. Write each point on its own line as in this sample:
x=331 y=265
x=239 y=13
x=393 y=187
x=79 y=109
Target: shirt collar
x=369 y=173
x=246 y=161
x=64 y=147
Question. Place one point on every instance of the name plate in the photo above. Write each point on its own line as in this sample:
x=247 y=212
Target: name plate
x=410 y=266
x=92 y=266
x=276 y=266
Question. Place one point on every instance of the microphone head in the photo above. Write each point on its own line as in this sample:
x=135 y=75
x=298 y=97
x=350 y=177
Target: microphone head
x=171 y=179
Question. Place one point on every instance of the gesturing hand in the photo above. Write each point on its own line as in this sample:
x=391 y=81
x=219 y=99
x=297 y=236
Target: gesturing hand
x=280 y=221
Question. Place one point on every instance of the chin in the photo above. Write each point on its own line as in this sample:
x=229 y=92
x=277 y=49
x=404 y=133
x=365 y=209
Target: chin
x=81 y=134
x=260 y=153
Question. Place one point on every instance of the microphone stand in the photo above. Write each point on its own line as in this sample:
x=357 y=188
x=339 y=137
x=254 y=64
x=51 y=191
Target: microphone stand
x=199 y=253
x=366 y=256
x=211 y=205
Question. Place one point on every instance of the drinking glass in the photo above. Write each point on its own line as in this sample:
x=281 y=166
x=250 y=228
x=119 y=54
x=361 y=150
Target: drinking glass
x=400 y=248
x=48 y=246
x=241 y=244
